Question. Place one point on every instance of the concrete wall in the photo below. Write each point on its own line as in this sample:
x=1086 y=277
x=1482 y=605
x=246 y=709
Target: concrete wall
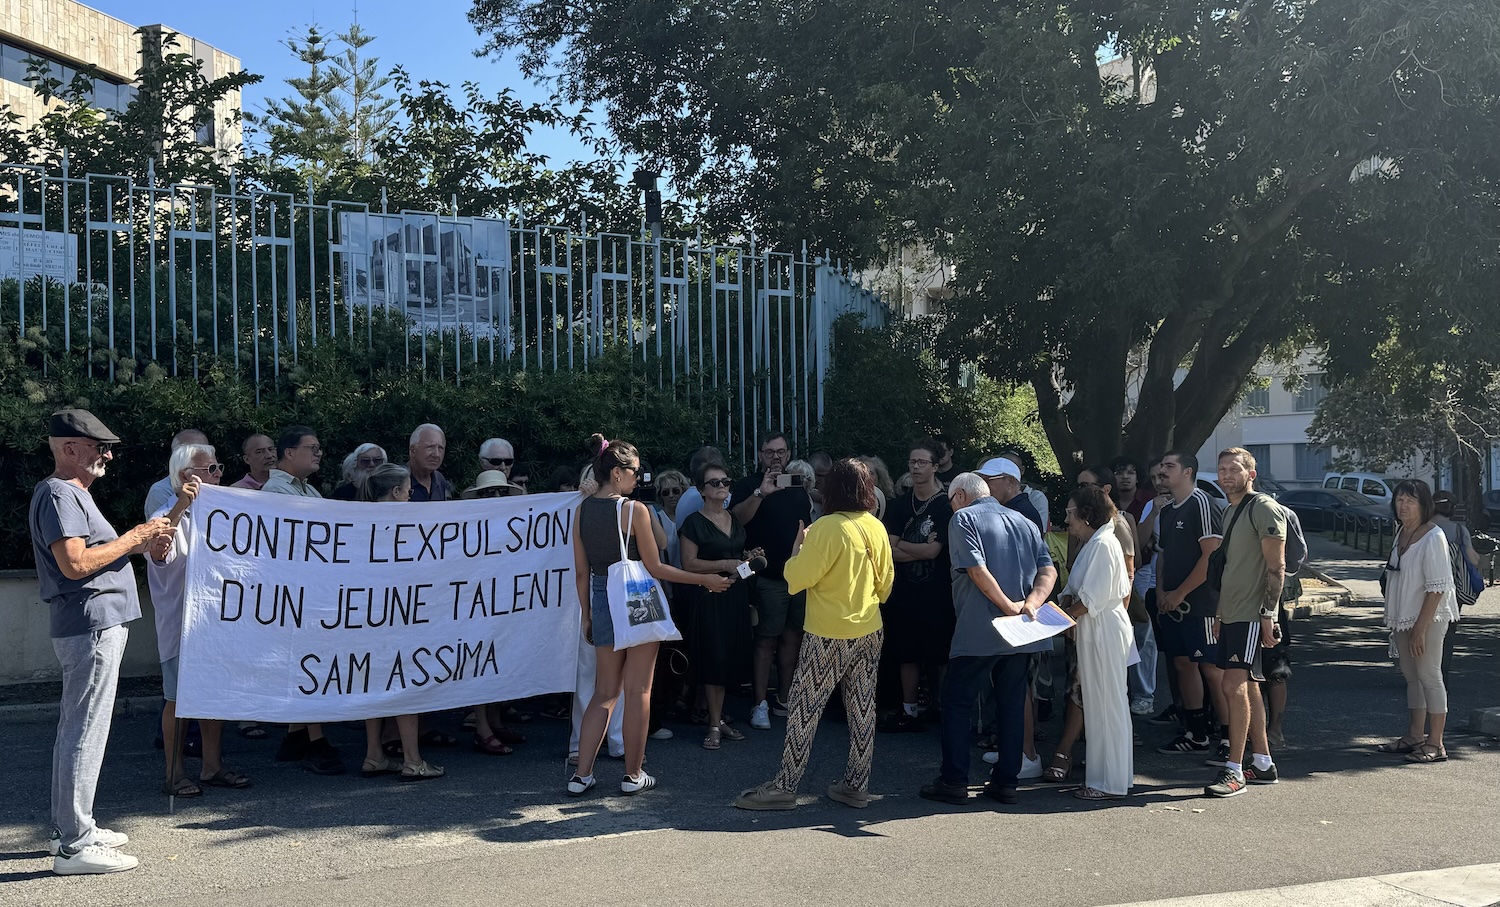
x=26 y=648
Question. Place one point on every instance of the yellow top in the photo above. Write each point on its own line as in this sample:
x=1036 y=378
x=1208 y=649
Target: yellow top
x=845 y=566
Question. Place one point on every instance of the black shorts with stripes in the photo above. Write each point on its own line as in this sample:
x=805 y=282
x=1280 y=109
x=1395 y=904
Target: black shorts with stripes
x=1239 y=647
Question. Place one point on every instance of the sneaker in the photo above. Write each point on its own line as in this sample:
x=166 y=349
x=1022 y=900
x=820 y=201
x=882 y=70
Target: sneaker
x=1031 y=769
x=92 y=859
x=661 y=733
x=848 y=796
x=1141 y=707
x=102 y=836
x=578 y=786
x=1006 y=795
x=323 y=759
x=1228 y=785
x=1221 y=756
x=901 y=723
x=1184 y=743
x=293 y=747
x=945 y=792
x=766 y=797
x=1255 y=775
x=760 y=716
x=1169 y=715
x=643 y=781
x=779 y=708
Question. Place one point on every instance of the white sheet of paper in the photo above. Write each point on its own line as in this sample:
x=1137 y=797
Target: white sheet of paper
x=1022 y=630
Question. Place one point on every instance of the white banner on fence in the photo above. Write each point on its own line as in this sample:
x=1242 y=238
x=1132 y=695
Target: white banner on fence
x=306 y=610
x=34 y=253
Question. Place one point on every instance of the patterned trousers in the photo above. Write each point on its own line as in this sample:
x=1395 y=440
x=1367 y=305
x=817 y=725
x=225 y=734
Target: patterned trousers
x=823 y=665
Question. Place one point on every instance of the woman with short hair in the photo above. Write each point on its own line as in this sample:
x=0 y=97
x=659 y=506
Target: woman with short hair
x=844 y=563
x=388 y=483
x=1420 y=604
x=1098 y=586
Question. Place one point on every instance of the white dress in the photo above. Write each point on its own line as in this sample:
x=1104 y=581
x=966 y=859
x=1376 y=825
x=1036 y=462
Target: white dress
x=1104 y=638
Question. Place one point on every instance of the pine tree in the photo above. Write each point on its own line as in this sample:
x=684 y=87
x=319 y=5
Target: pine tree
x=362 y=112
x=303 y=130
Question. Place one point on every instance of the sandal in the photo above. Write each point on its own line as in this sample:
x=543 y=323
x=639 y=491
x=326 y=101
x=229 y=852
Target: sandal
x=226 y=778
x=392 y=749
x=730 y=733
x=711 y=741
x=251 y=730
x=491 y=746
x=1401 y=745
x=1056 y=773
x=1426 y=754
x=519 y=716
x=438 y=739
x=185 y=787
x=374 y=768
x=1091 y=793
x=507 y=735
x=422 y=771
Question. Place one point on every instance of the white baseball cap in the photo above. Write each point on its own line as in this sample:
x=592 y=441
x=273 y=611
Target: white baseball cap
x=995 y=467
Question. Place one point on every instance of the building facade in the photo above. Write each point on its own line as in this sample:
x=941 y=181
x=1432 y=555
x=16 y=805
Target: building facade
x=70 y=37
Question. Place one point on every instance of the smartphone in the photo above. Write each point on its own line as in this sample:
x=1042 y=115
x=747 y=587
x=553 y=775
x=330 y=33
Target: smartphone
x=788 y=480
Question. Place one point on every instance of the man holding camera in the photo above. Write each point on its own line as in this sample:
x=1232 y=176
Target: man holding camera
x=1254 y=567
x=773 y=505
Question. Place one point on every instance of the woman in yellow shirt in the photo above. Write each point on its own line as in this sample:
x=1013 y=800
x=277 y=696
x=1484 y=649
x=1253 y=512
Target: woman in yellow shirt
x=844 y=562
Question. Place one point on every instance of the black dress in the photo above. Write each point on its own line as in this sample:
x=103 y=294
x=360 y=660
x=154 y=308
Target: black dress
x=719 y=648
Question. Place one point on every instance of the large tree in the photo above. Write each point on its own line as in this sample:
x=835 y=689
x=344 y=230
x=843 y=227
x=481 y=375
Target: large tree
x=1258 y=173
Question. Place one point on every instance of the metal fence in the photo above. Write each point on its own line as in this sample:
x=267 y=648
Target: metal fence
x=193 y=277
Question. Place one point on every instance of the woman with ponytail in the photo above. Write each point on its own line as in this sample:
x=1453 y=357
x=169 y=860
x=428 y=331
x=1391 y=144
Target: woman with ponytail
x=626 y=672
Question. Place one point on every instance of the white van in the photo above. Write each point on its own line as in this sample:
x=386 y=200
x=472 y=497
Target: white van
x=1371 y=485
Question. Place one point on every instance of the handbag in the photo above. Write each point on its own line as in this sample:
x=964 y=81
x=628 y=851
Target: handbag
x=1219 y=556
x=637 y=604
x=1465 y=574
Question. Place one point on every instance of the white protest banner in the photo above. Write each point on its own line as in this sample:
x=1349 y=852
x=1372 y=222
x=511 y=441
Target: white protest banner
x=309 y=610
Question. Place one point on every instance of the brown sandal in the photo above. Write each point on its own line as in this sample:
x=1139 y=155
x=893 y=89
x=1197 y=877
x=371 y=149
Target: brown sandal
x=711 y=739
x=491 y=746
x=1426 y=754
x=1401 y=745
x=1055 y=773
x=729 y=732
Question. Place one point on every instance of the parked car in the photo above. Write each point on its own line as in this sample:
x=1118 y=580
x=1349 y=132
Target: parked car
x=1370 y=484
x=1491 y=509
x=1320 y=508
x=1263 y=484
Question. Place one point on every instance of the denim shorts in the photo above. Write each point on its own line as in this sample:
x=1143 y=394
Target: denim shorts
x=169 y=680
x=604 y=627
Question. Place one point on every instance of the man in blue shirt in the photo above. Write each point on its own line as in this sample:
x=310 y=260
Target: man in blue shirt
x=1000 y=567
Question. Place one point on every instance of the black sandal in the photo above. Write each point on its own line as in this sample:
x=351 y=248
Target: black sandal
x=185 y=787
x=438 y=739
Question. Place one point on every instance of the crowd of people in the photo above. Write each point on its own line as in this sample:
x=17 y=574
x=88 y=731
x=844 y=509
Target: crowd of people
x=799 y=579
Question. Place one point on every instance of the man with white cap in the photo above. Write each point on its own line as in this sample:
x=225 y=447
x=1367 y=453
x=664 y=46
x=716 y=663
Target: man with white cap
x=83 y=569
x=1003 y=476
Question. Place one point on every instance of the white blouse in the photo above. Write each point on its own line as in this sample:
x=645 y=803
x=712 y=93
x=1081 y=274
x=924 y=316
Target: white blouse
x=1424 y=567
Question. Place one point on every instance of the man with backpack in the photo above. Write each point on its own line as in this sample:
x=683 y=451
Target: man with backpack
x=1250 y=570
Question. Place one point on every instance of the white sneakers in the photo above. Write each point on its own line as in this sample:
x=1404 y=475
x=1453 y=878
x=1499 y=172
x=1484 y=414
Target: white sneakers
x=92 y=859
x=661 y=733
x=760 y=716
x=101 y=836
x=1030 y=768
x=1142 y=707
x=643 y=781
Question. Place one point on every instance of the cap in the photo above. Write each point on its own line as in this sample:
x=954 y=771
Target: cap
x=79 y=423
x=491 y=478
x=995 y=467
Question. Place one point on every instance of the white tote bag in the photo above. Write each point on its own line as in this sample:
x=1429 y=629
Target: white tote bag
x=637 y=605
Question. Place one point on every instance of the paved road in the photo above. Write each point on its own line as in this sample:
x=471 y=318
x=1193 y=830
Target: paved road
x=498 y=830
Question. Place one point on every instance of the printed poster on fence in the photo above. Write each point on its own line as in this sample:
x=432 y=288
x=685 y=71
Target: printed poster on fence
x=309 y=610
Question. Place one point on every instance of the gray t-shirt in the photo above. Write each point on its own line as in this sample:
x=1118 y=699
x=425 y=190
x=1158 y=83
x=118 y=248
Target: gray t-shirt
x=1009 y=545
x=105 y=599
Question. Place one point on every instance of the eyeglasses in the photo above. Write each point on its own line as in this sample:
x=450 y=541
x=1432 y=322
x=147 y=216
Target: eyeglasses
x=213 y=469
x=665 y=492
x=717 y=483
x=317 y=449
x=775 y=451
x=499 y=461
x=103 y=447
x=918 y=462
x=370 y=462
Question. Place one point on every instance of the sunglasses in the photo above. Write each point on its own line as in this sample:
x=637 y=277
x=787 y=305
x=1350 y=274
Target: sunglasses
x=499 y=461
x=103 y=447
x=369 y=462
x=664 y=492
x=717 y=483
x=216 y=469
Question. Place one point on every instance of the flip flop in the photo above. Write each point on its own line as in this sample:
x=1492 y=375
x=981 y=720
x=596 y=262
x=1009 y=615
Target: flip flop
x=226 y=778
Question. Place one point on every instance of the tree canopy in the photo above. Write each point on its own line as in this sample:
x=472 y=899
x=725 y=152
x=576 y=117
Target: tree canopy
x=1245 y=177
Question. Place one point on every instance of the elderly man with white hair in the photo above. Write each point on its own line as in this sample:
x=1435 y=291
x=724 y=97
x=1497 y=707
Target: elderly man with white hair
x=425 y=452
x=191 y=467
x=1000 y=567
x=160 y=494
x=497 y=453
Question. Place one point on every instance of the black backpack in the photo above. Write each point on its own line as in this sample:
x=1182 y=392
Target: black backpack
x=1296 y=542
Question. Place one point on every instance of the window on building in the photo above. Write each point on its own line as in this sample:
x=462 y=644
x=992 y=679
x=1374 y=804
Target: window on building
x=1312 y=462
x=1312 y=391
x=1257 y=402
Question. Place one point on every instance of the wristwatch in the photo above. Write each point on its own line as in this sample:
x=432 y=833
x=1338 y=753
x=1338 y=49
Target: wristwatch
x=756 y=494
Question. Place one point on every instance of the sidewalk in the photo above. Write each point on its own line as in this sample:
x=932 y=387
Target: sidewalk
x=1354 y=570
x=1461 y=886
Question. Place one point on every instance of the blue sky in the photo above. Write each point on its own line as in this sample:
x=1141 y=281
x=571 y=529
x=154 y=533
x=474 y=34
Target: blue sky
x=432 y=40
